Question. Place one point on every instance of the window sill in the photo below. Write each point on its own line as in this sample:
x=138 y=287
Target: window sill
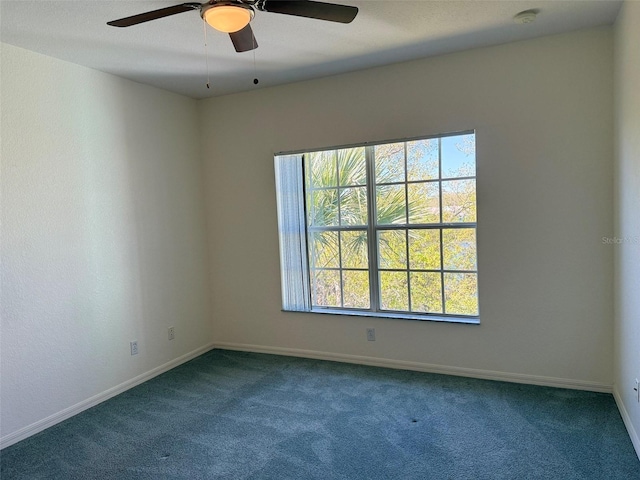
x=394 y=315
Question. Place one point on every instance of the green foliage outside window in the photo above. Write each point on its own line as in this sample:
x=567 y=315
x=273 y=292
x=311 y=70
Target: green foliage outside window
x=421 y=230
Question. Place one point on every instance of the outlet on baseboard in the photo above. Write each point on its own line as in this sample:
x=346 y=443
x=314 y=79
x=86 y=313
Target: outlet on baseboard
x=134 y=347
x=172 y=333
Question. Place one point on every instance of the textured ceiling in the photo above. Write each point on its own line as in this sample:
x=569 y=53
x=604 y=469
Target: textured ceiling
x=170 y=53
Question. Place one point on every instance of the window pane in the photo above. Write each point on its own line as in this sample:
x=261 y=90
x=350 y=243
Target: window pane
x=322 y=168
x=323 y=211
x=324 y=250
x=461 y=293
x=389 y=162
x=390 y=205
x=418 y=187
x=424 y=249
x=394 y=291
x=351 y=166
x=424 y=202
x=459 y=201
x=326 y=287
x=355 y=288
x=422 y=159
x=426 y=292
x=392 y=249
x=459 y=248
x=354 y=249
x=353 y=206
x=459 y=156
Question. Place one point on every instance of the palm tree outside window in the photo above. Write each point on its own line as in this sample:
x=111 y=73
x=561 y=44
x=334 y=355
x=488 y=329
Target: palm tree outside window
x=386 y=229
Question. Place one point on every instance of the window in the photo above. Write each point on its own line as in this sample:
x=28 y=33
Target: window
x=386 y=229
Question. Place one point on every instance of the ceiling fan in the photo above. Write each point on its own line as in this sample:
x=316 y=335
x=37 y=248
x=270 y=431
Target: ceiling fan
x=233 y=16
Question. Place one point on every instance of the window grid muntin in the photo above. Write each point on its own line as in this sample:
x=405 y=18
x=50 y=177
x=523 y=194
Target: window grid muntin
x=406 y=232
x=442 y=287
x=355 y=269
x=374 y=297
x=373 y=228
x=418 y=270
x=339 y=200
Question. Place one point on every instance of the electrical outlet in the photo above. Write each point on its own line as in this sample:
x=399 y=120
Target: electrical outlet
x=371 y=334
x=172 y=333
x=134 y=348
x=637 y=390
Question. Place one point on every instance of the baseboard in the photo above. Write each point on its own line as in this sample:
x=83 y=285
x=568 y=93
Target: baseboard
x=69 y=412
x=627 y=421
x=422 y=367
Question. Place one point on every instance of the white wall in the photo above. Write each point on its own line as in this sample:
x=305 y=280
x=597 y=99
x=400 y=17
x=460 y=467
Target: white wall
x=543 y=114
x=627 y=225
x=103 y=237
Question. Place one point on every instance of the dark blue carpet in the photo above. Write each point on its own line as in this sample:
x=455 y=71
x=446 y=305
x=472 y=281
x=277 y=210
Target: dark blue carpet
x=236 y=415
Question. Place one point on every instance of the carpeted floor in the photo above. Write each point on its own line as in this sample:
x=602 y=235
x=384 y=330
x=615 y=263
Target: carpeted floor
x=233 y=415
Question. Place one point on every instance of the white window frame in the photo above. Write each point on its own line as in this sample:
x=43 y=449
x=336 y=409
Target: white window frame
x=293 y=236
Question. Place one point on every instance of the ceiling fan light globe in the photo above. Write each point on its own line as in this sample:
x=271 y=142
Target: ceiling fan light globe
x=228 y=18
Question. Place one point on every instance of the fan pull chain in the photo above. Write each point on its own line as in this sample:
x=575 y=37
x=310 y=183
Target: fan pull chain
x=255 y=72
x=206 y=50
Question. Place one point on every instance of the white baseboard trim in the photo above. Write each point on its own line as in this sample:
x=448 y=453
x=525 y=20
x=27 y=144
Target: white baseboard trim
x=627 y=421
x=69 y=412
x=422 y=367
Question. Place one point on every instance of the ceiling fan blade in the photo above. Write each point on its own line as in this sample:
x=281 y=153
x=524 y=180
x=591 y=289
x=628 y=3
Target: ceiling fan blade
x=153 y=15
x=309 y=9
x=243 y=40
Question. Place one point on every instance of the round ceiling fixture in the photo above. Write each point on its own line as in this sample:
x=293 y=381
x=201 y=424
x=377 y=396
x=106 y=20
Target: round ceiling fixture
x=227 y=17
x=528 y=16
